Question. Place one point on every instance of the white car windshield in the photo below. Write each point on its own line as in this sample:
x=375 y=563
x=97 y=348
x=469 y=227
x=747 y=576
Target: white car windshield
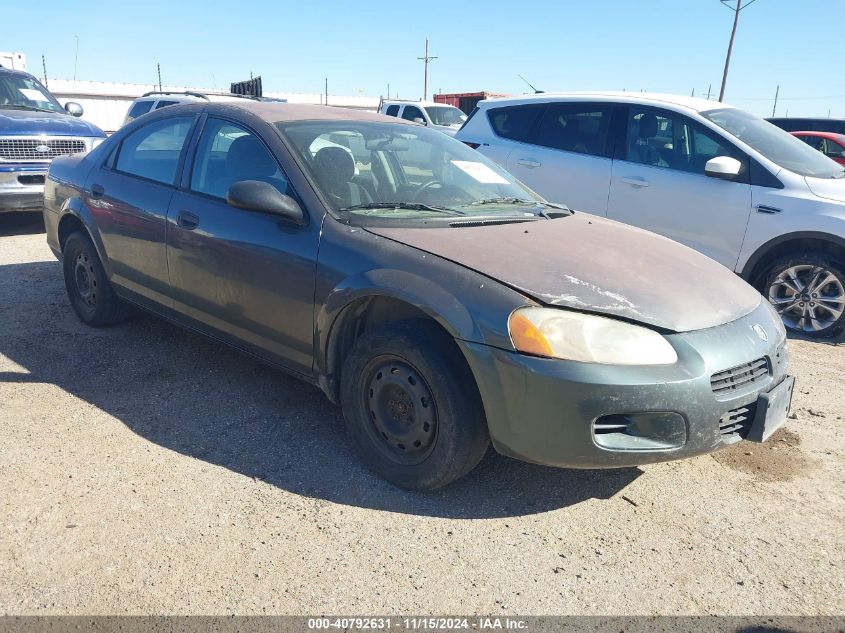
x=445 y=115
x=368 y=169
x=772 y=142
x=25 y=93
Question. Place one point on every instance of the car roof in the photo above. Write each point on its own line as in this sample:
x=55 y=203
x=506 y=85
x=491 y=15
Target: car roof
x=410 y=102
x=643 y=98
x=13 y=71
x=274 y=112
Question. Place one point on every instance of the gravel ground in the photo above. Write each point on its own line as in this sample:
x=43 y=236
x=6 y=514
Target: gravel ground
x=145 y=470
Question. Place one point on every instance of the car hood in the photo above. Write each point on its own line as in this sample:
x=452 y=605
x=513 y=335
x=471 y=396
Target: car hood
x=450 y=130
x=595 y=265
x=829 y=188
x=31 y=123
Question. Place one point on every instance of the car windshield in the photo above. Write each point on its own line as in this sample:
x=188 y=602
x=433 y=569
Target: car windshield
x=25 y=93
x=445 y=115
x=370 y=169
x=772 y=142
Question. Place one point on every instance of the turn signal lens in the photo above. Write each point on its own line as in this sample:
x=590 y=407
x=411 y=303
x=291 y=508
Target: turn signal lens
x=586 y=338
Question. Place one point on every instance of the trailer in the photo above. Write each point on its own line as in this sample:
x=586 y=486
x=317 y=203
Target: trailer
x=465 y=101
x=15 y=61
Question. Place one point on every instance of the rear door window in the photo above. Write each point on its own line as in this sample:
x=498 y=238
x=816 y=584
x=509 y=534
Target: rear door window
x=515 y=122
x=152 y=151
x=138 y=108
x=575 y=127
x=392 y=110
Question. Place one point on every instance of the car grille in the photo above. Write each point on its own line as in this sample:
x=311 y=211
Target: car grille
x=737 y=422
x=740 y=377
x=39 y=148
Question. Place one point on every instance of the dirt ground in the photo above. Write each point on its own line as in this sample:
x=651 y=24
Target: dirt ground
x=145 y=470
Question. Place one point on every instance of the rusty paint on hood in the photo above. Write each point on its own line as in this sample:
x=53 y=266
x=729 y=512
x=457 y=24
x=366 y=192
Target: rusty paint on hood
x=596 y=265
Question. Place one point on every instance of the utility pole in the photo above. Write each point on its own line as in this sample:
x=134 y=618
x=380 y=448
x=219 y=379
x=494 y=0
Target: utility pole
x=709 y=88
x=158 y=68
x=75 y=60
x=775 y=107
x=44 y=66
x=739 y=7
x=426 y=60
x=327 y=91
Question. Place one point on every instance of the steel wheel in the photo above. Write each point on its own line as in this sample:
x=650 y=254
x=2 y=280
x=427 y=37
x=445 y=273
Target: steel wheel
x=402 y=410
x=85 y=280
x=810 y=298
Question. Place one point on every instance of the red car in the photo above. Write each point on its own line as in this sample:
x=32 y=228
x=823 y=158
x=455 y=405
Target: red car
x=830 y=144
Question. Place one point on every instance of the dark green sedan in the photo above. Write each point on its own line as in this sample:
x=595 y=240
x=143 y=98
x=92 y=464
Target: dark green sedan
x=439 y=301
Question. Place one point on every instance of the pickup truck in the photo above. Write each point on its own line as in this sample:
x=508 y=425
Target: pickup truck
x=35 y=129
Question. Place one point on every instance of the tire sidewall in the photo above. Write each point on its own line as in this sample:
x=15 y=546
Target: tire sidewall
x=461 y=435
x=106 y=309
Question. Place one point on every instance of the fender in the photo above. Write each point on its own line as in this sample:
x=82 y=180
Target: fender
x=76 y=207
x=766 y=248
x=419 y=292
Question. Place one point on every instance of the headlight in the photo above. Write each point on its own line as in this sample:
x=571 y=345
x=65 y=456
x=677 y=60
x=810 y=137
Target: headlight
x=96 y=141
x=558 y=333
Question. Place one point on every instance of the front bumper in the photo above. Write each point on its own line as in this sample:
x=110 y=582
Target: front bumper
x=569 y=414
x=22 y=187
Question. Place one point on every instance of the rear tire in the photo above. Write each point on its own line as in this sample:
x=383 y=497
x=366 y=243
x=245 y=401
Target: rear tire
x=412 y=406
x=88 y=288
x=808 y=291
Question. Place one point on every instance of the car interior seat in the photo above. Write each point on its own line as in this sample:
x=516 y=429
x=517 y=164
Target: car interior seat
x=248 y=159
x=335 y=171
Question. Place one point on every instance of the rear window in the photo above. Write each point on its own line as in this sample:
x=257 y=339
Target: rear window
x=515 y=122
x=137 y=109
x=164 y=104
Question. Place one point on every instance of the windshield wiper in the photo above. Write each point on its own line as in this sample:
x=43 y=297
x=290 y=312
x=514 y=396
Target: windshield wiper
x=412 y=206
x=550 y=205
x=25 y=107
x=510 y=200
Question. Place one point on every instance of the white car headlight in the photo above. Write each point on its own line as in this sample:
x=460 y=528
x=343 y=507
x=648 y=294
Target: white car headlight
x=558 y=333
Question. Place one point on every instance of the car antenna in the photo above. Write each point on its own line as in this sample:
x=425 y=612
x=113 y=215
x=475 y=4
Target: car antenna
x=536 y=92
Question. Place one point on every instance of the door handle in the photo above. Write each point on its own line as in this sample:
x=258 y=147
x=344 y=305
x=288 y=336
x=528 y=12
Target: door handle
x=530 y=163
x=97 y=191
x=187 y=220
x=636 y=182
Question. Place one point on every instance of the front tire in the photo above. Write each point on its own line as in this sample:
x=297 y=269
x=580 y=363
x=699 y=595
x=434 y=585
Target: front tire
x=808 y=291
x=412 y=406
x=88 y=288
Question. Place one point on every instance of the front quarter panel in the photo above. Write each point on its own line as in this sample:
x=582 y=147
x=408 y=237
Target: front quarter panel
x=355 y=264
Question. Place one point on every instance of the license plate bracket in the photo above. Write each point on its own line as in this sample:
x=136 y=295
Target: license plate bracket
x=772 y=410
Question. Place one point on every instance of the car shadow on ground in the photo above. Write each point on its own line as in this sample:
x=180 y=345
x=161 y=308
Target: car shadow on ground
x=193 y=396
x=21 y=223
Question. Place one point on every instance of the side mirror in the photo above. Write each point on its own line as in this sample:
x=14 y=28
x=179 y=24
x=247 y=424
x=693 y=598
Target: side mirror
x=255 y=195
x=73 y=108
x=723 y=167
x=420 y=120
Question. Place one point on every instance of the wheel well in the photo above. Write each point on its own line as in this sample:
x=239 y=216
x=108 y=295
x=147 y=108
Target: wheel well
x=792 y=247
x=67 y=225
x=361 y=316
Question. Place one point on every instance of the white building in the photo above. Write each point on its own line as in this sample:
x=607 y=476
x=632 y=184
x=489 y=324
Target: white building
x=106 y=103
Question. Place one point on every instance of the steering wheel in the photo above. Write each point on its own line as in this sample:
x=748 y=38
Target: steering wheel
x=431 y=184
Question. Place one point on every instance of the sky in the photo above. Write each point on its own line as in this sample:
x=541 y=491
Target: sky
x=362 y=46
